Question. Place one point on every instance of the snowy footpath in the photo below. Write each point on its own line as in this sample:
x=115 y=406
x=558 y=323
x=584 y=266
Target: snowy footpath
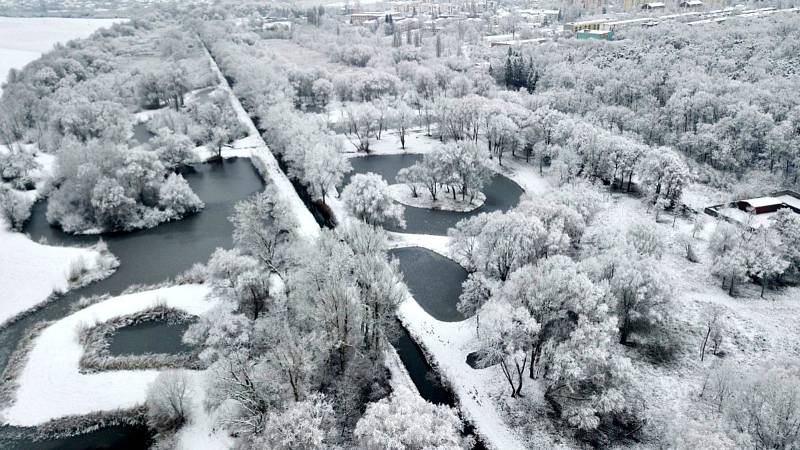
x=446 y=345
x=254 y=147
x=51 y=385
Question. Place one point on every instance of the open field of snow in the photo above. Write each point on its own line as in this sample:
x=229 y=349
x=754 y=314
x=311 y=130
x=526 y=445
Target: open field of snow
x=51 y=385
x=24 y=39
x=30 y=272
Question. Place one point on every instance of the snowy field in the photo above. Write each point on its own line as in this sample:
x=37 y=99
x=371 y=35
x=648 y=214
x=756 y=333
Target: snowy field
x=30 y=272
x=24 y=39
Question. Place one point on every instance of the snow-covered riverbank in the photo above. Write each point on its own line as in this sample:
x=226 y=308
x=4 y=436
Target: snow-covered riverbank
x=31 y=272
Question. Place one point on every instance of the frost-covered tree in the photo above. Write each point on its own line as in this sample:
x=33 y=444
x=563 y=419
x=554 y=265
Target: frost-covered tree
x=767 y=408
x=405 y=420
x=174 y=150
x=263 y=226
x=497 y=243
x=367 y=198
x=307 y=425
x=219 y=121
x=322 y=90
x=16 y=166
x=642 y=297
x=586 y=380
x=176 y=196
x=476 y=290
x=227 y=268
x=508 y=335
x=554 y=291
x=15 y=207
x=169 y=401
x=715 y=329
x=645 y=239
x=664 y=175
x=763 y=256
x=362 y=124
x=324 y=167
x=501 y=133
x=403 y=120
x=105 y=186
x=787 y=224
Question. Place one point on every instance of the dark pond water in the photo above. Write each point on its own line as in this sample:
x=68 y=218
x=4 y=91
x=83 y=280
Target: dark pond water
x=435 y=281
x=501 y=194
x=118 y=437
x=156 y=337
x=146 y=256
x=141 y=135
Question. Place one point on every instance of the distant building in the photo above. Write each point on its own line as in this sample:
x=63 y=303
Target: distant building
x=363 y=17
x=763 y=205
x=516 y=42
x=691 y=4
x=572 y=27
x=619 y=24
x=653 y=5
x=602 y=35
x=756 y=212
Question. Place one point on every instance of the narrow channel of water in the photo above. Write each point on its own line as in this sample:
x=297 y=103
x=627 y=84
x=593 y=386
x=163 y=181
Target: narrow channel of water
x=501 y=194
x=146 y=257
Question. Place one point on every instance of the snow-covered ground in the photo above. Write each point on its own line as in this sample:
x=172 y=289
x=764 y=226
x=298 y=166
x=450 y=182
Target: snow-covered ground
x=51 y=385
x=31 y=272
x=203 y=430
x=24 y=39
x=756 y=330
x=417 y=142
x=401 y=193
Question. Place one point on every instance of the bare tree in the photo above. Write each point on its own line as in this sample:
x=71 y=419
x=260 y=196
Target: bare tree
x=714 y=330
x=168 y=401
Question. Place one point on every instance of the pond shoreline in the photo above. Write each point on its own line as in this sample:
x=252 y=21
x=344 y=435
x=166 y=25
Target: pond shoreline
x=220 y=185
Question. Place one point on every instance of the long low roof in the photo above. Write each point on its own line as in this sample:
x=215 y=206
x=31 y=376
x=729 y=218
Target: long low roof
x=787 y=199
x=762 y=201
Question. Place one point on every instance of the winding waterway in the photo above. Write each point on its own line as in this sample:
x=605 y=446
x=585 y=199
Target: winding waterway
x=435 y=281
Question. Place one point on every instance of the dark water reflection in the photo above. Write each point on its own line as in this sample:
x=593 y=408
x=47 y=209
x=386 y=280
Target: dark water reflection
x=434 y=281
x=138 y=339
